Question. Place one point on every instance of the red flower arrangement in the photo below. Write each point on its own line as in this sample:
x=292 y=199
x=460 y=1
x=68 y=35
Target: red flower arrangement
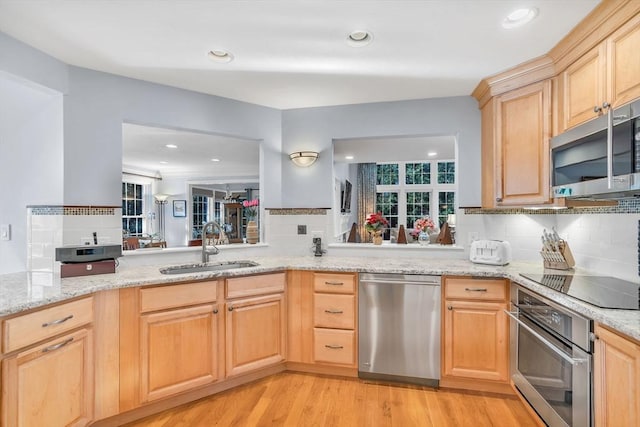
x=375 y=222
x=251 y=206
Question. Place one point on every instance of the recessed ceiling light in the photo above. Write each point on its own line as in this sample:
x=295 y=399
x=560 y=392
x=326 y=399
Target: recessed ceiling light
x=348 y=157
x=432 y=153
x=219 y=55
x=171 y=146
x=163 y=162
x=215 y=160
x=359 y=38
x=519 y=17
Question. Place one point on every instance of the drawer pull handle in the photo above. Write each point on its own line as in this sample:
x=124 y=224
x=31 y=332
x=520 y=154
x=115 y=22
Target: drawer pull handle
x=475 y=289
x=334 y=311
x=56 y=346
x=334 y=347
x=334 y=283
x=57 y=322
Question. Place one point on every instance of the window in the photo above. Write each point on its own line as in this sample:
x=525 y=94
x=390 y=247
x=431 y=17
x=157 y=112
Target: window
x=200 y=215
x=132 y=208
x=407 y=191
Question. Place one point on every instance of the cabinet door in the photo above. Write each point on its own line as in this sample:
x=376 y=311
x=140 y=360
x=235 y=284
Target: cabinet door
x=616 y=380
x=51 y=384
x=583 y=88
x=623 y=60
x=522 y=129
x=179 y=350
x=255 y=333
x=475 y=343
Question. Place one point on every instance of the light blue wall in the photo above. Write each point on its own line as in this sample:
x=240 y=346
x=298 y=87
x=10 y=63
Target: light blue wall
x=315 y=128
x=98 y=103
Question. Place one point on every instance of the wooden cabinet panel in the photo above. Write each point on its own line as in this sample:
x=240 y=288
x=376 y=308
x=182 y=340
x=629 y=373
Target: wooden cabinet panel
x=300 y=316
x=476 y=289
x=523 y=127
x=337 y=283
x=475 y=339
x=623 y=61
x=240 y=287
x=616 y=380
x=179 y=350
x=28 y=329
x=334 y=311
x=256 y=333
x=334 y=346
x=51 y=384
x=583 y=87
x=165 y=297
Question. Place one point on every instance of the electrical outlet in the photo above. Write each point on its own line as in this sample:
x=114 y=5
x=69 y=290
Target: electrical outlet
x=302 y=229
x=472 y=236
x=86 y=240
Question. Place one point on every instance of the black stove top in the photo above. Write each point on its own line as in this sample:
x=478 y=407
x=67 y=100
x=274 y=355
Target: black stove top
x=601 y=291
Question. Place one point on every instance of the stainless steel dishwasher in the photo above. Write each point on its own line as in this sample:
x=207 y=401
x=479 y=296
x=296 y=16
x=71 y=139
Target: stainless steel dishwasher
x=399 y=328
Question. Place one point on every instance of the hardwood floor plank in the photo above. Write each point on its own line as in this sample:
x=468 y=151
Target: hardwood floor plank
x=307 y=400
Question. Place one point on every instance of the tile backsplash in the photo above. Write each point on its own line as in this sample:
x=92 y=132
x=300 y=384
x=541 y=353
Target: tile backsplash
x=49 y=227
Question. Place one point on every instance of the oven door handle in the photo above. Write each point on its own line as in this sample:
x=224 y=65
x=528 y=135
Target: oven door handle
x=542 y=339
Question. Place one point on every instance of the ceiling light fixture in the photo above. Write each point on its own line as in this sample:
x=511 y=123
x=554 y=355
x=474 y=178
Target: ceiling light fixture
x=219 y=55
x=303 y=158
x=432 y=154
x=215 y=160
x=348 y=157
x=519 y=17
x=162 y=162
x=359 y=38
x=171 y=146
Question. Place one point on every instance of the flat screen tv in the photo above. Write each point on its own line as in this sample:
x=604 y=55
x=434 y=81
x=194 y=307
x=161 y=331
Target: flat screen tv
x=346 y=198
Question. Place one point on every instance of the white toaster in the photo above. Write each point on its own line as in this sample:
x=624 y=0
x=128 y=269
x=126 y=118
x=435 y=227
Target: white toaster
x=494 y=252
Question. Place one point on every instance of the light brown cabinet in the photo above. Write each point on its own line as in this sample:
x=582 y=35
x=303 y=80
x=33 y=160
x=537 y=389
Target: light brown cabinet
x=322 y=322
x=255 y=323
x=516 y=128
x=616 y=380
x=475 y=333
x=608 y=75
x=51 y=382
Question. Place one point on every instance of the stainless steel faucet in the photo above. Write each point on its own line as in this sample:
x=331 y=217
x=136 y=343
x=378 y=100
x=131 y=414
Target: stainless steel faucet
x=213 y=250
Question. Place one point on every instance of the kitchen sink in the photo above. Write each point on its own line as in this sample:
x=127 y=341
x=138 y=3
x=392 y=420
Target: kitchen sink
x=201 y=268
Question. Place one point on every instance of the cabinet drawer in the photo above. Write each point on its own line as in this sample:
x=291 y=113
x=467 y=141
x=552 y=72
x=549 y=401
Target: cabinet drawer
x=334 y=311
x=255 y=285
x=163 y=297
x=476 y=289
x=30 y=328
x=334 y=283
x=334 y=346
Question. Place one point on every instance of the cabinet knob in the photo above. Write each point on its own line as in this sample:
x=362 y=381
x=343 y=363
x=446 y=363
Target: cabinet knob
x=597 y=109
x=449 y=307
x=498 y=199
x=605 y=105
x=230 y=308
x=215 y=311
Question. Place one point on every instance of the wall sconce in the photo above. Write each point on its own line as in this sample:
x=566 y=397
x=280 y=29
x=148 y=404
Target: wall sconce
x=303 y=158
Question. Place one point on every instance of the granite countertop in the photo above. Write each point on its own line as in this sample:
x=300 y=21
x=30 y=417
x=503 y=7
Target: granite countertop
x=23 y=291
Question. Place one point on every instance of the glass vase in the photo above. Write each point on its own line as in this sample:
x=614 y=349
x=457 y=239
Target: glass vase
x=423 y=238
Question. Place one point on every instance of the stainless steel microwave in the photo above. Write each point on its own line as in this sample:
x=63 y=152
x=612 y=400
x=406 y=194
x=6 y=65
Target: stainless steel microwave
x=599 y=159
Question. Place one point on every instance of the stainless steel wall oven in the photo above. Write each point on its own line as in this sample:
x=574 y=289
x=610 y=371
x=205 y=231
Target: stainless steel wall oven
x=551 y=359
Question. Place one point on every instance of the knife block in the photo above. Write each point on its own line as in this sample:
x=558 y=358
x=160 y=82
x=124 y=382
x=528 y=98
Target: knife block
x=562 y=259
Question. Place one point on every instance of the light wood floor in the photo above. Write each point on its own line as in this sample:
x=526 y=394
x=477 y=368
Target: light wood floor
x=294 y=399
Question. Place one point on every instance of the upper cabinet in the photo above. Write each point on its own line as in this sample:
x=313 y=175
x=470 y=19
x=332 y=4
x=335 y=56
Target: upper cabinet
x=607 y=75
x=515 y=147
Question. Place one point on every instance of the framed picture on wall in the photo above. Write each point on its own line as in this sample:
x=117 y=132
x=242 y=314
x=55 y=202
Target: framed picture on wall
x=179 y=208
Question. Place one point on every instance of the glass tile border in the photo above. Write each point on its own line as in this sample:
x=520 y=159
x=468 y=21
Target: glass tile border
x=625 y=206
x=58 y=210
x=298 y=211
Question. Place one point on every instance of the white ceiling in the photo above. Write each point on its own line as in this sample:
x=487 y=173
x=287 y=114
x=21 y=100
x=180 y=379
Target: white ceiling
x=293 y=53
x=144 y=147
x=399 y=149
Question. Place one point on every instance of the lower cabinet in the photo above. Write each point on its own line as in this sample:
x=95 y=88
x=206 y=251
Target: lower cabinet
x=616 y=380
x=179 y=350
x=255 y=333
x=475 y=333
x=51 y=384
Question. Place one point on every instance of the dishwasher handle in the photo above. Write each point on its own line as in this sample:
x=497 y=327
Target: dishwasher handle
x=403 y=281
